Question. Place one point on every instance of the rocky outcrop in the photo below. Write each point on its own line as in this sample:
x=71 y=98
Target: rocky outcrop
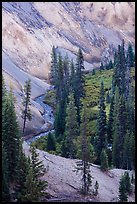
x=30 y=29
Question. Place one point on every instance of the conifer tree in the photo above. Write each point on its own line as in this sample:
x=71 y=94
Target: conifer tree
x=85 y=154
x=96 y=188
x=101 y=124
x=51 y=145
x=71 y=129
x=122 y=190
x=5 y=177
x=34 y=186
x=130 y=55
x=10 y=133
x=26 y=114
x=80 y=82
x=53 y=70
x=104 y=160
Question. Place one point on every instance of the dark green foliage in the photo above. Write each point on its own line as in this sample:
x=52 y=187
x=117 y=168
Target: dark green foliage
x=120 y=126
x=26 y=114
x=122 y=190
x=71 y=129
x=85 y=154
x=22 y=173
x=53 y=71
x=104 y=160
x=5 y=177
x=101 y=67
x=109 y=65
x=34 y=186
x=108 y=97
x=130 y=55
x=110 y=121
x=79 y=91
x=127 y=182
x=10 y=133
x=51 y=144
x=93 y=72
x=96 y=188
x=101 y=126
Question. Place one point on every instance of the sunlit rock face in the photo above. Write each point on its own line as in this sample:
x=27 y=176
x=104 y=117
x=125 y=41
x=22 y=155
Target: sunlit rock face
x=30 y=29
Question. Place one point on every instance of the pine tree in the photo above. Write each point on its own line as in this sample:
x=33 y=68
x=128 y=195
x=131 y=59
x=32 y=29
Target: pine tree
x=96 y=188
x=104 y=160
x=122 y=190
x=101 y=125
x=80 y=82
x=127 y=182
x=130 y=55
x=71 y=129
x=51 y=145
x=34 y=186
x=101 y=67
x=26 y=114
x=93 y=72
x=85 y=154
x=108 y=97
x=10 y=133
x=53 y=70
x=110 y=121
x=72 y=76
x=5 y=177
x=22 y=172
x=31 y=191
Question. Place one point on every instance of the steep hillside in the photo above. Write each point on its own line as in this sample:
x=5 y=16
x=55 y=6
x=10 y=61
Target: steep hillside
x=64 y=182
x=30 y=29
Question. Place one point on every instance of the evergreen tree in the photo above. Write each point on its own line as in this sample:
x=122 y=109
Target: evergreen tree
x=31 y=191
x=110 y=121
x=130 y=55
x=101 y=123
x=72 y=77
x=85 y=154
x=122 y=190
x=53 y=70
x=22 y=173
x=26 y=114
x=93 y=72
x=80 y=82
x=120 y=128
x=66 y=77
x=127 y=182
x=71 y=130
x=51 y=145
x=34 y=186
x=104 y=160
x=108 y=97
x=10 y=133
x=96 y=188
x=101 y=67
x=5 y=177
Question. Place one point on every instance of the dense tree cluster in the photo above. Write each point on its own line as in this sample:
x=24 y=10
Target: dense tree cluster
x=20 y=175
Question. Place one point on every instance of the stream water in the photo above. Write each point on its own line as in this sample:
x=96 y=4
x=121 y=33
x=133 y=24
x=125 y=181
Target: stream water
x=47 y=116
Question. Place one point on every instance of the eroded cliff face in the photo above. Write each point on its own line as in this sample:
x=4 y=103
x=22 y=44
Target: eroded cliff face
x=30 y=29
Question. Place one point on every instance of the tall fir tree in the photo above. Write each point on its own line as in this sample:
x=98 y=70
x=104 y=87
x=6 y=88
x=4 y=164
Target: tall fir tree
x=5 y=177
x=130 y=55
x=26 y=114
x=122 y=190
x=53 y=70
x=101 y=125
x=85 y=153
x=71 y=129
x=80 y=82
x=10 y=133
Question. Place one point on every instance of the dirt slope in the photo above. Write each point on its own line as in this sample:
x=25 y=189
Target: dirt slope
x=63 y=182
